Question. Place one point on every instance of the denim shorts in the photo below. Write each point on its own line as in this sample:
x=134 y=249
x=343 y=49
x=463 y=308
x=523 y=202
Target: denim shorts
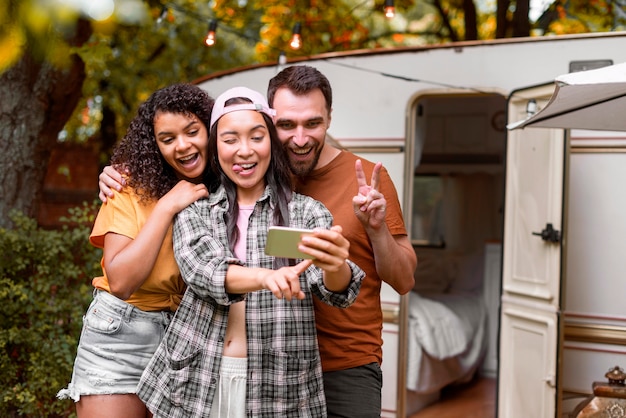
x=116 y=344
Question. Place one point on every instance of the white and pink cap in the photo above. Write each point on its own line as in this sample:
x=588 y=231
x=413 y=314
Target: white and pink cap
x=259 y=103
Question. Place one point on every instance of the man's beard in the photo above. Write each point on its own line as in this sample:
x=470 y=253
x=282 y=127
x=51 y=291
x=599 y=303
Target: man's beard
x=304 y=168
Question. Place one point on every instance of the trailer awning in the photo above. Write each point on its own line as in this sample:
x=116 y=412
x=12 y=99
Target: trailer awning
x=594 y=99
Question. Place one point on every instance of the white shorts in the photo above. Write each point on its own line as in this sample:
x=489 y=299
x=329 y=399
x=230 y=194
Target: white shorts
x=230 y=396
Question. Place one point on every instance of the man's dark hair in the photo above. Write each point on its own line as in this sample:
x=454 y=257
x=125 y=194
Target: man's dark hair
x=301 y=79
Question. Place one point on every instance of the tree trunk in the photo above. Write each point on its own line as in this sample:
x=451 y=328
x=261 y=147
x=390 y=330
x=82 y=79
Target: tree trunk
x=36 y=100
x=471 y=20
x=502 y=23
x=521 y=22
x=445 y=21
x=519 y=25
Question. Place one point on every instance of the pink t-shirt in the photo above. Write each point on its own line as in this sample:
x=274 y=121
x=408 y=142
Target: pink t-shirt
x=242 y=224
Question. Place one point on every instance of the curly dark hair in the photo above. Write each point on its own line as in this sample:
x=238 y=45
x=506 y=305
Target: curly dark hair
x=278 y=177
x=138 y=153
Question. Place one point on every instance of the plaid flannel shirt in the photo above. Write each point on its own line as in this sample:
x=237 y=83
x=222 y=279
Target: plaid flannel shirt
x=284 y=368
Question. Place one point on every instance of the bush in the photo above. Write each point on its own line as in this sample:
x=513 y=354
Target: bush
x=45 y=288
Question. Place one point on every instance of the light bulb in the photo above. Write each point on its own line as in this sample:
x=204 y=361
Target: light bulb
x=390 y=10
x=296 y=38
x=162 y=16
x=210 y=36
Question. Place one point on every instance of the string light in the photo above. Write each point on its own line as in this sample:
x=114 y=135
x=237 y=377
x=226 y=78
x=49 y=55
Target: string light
x=295 y=42
x=390 y=9
x=162 y=15
x=296 y=38
x=282 y=59
x=210 y=36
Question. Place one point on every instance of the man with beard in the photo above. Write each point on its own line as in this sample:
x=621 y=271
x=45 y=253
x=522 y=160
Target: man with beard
x=350 y=339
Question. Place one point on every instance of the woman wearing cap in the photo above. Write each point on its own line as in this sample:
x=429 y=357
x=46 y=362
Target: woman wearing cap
x=243 y=341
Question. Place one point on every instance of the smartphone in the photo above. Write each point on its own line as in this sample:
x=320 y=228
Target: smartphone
x=283 y=241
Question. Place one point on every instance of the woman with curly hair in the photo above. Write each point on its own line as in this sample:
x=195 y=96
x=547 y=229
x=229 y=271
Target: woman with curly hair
x=164 y=156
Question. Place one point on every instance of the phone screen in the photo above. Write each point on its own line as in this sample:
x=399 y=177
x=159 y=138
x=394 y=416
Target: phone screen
x=283 y=242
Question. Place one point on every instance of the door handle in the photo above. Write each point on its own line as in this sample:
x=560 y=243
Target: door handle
x=549 y=234
x=550 y=380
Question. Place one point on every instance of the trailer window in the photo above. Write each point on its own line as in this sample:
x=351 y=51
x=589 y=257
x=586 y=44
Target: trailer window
x=427 y=227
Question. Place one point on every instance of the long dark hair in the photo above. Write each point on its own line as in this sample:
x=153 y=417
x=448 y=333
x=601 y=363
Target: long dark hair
x=277 y=177
x=138 y=153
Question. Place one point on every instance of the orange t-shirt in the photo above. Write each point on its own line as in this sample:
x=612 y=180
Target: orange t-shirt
x=125 y=215
x=352 y=336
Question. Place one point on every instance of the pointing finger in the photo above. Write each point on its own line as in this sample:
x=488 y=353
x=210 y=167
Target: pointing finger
x=301 y=266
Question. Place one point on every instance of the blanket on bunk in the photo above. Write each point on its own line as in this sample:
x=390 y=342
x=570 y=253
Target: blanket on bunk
x=449 y=329
x=442 y=329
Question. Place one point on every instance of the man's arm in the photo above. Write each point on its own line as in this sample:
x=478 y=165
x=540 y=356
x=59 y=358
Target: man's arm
x=395 y=259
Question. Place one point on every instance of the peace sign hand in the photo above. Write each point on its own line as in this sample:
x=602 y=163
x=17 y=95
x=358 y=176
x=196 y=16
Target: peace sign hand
x=369 y=204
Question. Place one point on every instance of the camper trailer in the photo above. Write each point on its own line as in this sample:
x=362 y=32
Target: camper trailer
x=519 y=234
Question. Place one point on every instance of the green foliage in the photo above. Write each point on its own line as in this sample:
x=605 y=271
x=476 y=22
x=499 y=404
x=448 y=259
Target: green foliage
x=45 y=288
x=582 y=16
x=130 y=55
x=126 y=62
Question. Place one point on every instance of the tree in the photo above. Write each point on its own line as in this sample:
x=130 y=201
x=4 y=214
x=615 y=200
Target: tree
x=580 y=16
x=37 y=97
x=512 y=24
x=64 y=68
x=80 y=74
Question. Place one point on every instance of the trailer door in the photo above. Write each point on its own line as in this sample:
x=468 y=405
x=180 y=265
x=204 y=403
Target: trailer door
x=531 y=266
